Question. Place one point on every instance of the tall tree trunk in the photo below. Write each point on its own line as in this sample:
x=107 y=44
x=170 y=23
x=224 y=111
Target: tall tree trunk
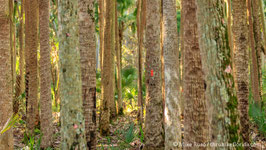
x=113 y=111
x=88 y=69
x=195 y=110
x=72 y=120
x=101 y=26
x=182 y=101
x=258 y=43
x=22 y=49
x=6 y=140
x=171 y=63
x=262 y=15
x=154 y=132
x=217 y=62
x=240 y=37
x=118 y=65
x=45 y=75
x=31 y=37
x=108 y=68
x=141 y=17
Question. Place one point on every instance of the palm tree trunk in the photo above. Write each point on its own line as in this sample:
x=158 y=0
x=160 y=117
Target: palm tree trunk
x=46 y=117
x=6 y=140
x=154 y=132
x=88 y=69
x=240 y=32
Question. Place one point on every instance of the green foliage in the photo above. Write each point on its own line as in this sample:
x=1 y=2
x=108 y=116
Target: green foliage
x=257 y=116
x=10 y=123
x=32 y=142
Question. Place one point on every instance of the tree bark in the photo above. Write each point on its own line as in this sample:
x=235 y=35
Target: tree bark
x=217 y=62
x=154 y=132
x=31 y=37
x=240 y=32
x=45 y=75
x=195 y=104
x=6 y=140
x=118 y=65
x=88 y=69
x=22 y=49
x=171 y=63
x=108 y=68
x=72 y=120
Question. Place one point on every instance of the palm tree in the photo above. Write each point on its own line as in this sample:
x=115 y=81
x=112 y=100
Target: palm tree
x=171 y=70
x=88 y=69
x=107 y=69
x=31 y=42
x=6 y=140
x=45 y=75
x=217 y=63
x=154 y=131
x=195 y=111
x=72 y=120
x=240 y=37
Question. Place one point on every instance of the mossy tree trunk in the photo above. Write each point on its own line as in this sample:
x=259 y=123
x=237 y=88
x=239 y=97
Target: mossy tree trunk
x=217 y=66
x=72 y=120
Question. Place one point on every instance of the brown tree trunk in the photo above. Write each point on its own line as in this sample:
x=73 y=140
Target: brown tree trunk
x=22 y=49
x=108 y=68
x=258 y=43
x=46 y=117
x=195 y=108
x=31 y=41
x=154 y=132
x=240 y=32
x=118 y=65
x=88 y=69
x=6 y=140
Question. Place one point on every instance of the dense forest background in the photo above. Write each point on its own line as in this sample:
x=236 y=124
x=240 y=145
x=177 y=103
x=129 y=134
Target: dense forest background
x=132 y=74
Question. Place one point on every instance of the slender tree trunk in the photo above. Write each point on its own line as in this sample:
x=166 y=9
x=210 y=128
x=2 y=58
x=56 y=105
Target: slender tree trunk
x=240 y=37
x=254 y=57
x=172 y=108
x=101 y=25
x=262 y=15
x=45 y=75
x=107 y=72
x=88 y=69
x=258 y=35
x=31 y=37
x=113 y=111
x=195 y=105
x=154 y=132
x=182 y=101
x=217 y=62
x=22 y=49
x=6 y=140
x=118 y=65
x=140 y=25
x=72 y=120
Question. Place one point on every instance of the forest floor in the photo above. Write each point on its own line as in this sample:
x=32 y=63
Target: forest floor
x=125 y=134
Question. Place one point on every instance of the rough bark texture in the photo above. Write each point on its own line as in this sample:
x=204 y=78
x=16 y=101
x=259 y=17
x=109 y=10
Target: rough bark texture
x=154 y=131
x=118 y=65
x=217 y=62
x=72 y=120
x=6 y=140
x=101 y=26
x=45 y=75
x=240 y=37
x=171 y=63
x=195 y=111
x=140 y=25
x=107 y=71
x=31 y=41
x=258 y=44
x=88 y=69
x=22 y=49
